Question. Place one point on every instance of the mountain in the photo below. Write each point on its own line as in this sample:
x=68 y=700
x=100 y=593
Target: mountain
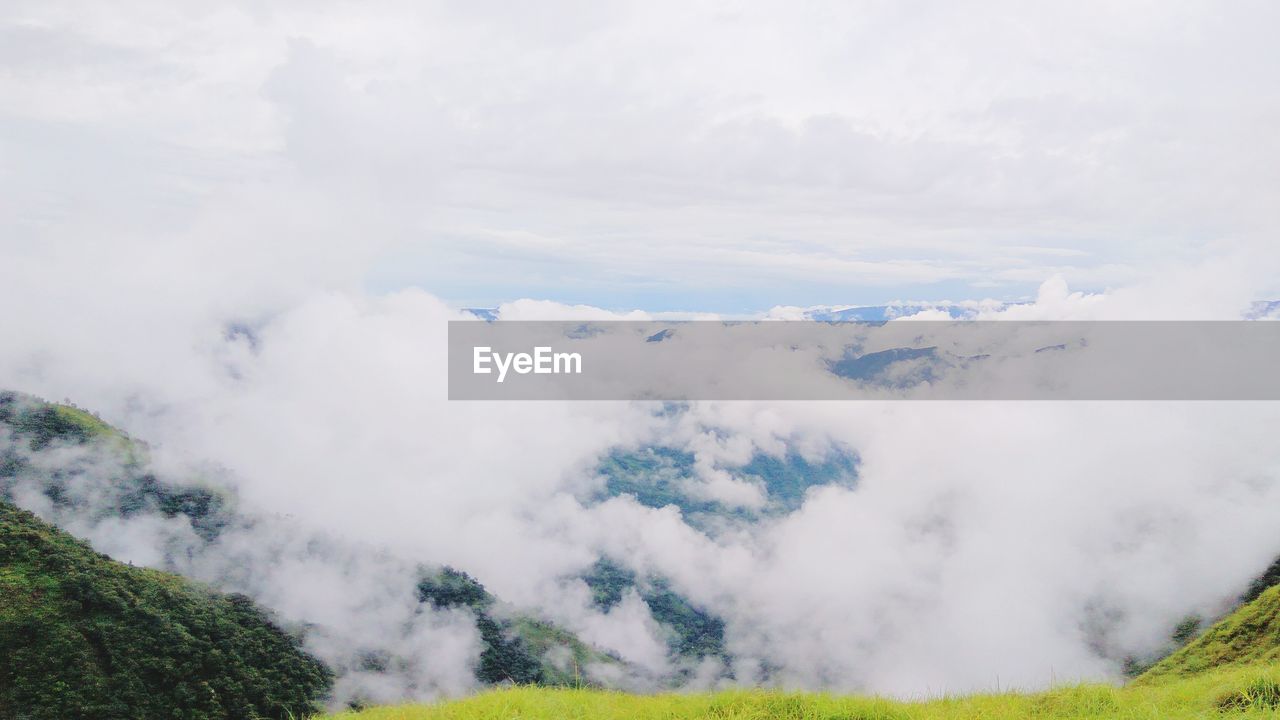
x=516 y=646
x=30 y=429
x=83 y=636
x=881 y=313
x=84 y=472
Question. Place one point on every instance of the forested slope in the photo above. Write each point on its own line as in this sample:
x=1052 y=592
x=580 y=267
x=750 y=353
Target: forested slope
x=83 y=636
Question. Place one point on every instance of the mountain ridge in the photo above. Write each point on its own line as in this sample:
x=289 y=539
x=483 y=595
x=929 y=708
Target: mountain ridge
x=516 y=645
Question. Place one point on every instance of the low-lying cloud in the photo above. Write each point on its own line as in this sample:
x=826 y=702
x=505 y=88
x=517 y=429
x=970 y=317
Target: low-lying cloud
x=982 y=542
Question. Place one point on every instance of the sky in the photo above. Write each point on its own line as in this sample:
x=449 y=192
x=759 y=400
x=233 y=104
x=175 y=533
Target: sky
x=722 y=157
x=237 y=231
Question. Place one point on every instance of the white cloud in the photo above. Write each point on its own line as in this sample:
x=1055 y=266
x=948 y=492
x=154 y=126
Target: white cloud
x=641 y=149
x=210 y=216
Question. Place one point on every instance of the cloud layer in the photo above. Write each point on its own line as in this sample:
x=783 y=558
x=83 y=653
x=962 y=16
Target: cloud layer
x=668 y=156
x=215 y=220
x=983 y=543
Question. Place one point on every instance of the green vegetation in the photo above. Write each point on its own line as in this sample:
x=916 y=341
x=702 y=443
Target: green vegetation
x=656 y=477
x=517 y=649
x=83 y=636
x=1237 y=693
x=44 y=423
x=36 y=426
x=1269 y=578
x=1248 y=636
x=1184 y=632
x=608 y=581
x=694 y=633
x=787 y=479
x=563 y=657
x=659 y=476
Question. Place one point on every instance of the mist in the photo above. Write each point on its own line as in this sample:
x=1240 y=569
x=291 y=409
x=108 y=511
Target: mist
x=982 y=544
x=239 y=234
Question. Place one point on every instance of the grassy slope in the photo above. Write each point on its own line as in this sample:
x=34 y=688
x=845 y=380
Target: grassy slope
x=547 y=641
x=45 y=421
x=1248 y=636
x=1241 y=692
x=35 y=426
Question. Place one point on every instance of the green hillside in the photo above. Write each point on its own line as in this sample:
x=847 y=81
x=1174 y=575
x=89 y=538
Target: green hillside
x=1248 y=636
x=83 y=636
x=35 y=427
x=692 y=632
x=517 y=648
x=1269 y=578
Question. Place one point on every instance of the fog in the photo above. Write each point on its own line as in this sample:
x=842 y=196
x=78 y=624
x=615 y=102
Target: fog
x=239 y=234
x=983 y=543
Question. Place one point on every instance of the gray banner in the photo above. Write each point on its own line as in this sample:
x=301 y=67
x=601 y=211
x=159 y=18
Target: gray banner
x=901 y=360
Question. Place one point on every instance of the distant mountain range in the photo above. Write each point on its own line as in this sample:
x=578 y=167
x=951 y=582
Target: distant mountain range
x=833 y=313
x=965 y=310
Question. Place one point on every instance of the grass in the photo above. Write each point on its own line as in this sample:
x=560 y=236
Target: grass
x=545 y=639
x=42 y=422
x=91 y=425
x=1242 y=692
x=1248 y=636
